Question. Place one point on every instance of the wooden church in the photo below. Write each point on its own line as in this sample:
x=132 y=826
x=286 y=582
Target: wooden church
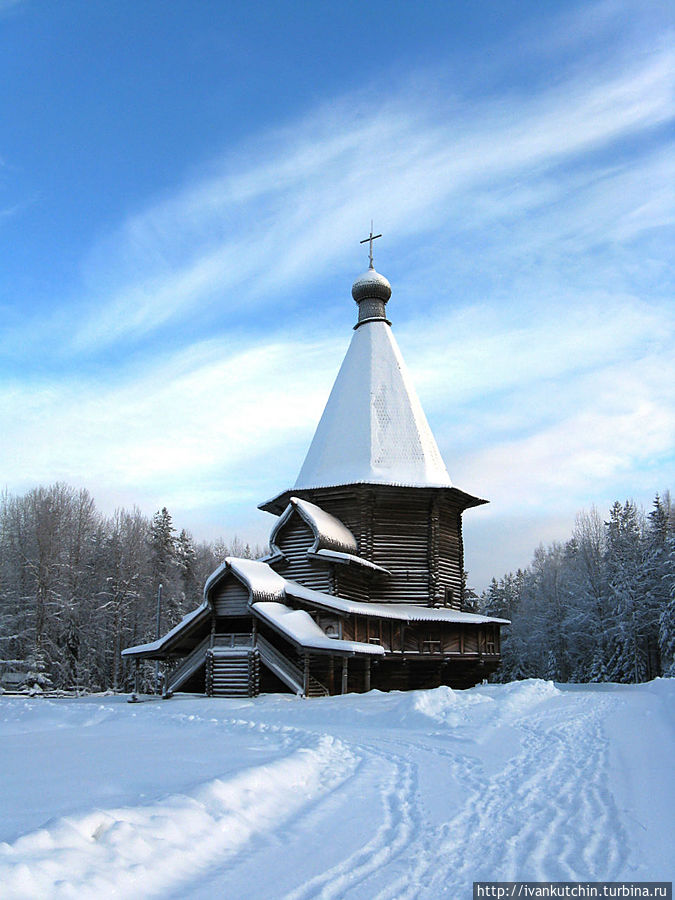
x=363 y=585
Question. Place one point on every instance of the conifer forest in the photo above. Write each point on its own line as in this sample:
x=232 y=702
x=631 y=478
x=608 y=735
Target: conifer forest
x=598 y=607
x=76 y=587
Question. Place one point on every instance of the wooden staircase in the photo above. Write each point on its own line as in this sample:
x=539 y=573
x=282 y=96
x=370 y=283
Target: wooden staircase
x=232 y=668
x=187 y=668
x=289 y=669
x=232 y=672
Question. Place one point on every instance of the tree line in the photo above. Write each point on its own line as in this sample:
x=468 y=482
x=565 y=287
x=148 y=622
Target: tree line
x=598 y=607
x=77 y=587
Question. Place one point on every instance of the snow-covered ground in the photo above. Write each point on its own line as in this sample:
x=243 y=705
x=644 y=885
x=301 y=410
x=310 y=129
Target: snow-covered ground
x=362 y=796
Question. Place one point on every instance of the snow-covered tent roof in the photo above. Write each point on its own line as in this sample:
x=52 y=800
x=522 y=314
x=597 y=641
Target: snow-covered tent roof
x=373 y=429
x=405 y=612
x=299 y=627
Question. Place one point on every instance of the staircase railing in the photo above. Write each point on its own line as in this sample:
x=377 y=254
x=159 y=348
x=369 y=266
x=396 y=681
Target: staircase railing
x=235 y=640
x=189 y=666
x=291 y=675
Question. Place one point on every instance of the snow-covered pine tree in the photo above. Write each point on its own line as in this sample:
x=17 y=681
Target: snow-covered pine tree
x=38 y=678
x=186 y=560
x=588 y=616
x=626 y=582
x=165 y=569
x=502 y=599
x=659 y=582
x=662 y=586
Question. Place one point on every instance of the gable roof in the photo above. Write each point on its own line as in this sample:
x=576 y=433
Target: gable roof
x=329 y=532
x=262 y=582
x=333 y=541
x=188 y=625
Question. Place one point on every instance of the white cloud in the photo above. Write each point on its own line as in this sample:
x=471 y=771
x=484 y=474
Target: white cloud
x=251 y=233
x=193 y=423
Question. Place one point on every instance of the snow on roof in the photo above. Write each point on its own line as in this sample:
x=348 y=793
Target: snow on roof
x=333 y=540
x=349 y=558
x=406 y=612
x=299 y=626
x=331 y=533
x=267 y=588
x=373 y=428
x=185 y=623
x=262 y=582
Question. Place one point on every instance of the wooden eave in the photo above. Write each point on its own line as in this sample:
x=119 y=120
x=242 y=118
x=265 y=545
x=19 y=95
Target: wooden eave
x=172 y=648
x=278 y=505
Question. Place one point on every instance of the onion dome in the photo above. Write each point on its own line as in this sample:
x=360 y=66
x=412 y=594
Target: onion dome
x=371 y=291
x=371 y=286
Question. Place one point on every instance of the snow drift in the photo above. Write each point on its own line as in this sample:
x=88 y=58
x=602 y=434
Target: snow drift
x=381 y=795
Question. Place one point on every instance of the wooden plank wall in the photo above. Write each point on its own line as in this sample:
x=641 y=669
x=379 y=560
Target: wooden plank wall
x=230 y=598
x=396 y=636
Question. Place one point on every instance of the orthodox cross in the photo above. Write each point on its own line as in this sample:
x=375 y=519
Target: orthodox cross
x=369 y=240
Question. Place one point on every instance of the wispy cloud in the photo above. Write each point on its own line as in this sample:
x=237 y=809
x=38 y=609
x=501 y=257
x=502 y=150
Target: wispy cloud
x=556 y=408
x=272 y=225
x=190 y=424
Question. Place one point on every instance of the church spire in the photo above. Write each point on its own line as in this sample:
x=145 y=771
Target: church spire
x=373 y=429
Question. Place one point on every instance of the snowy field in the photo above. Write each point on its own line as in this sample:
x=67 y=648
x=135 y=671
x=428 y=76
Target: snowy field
x=376 y=796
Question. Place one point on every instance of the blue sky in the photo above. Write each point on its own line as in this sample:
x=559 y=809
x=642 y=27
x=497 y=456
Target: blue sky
x=183 y=188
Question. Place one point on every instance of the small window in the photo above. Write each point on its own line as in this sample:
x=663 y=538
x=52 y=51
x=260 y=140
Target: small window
x=373 y=640
x=431 y=646
x=449 y=597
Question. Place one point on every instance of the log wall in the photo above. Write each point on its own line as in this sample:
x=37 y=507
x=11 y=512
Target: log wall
x=230 y=598
x=450 y=559
x=351 y=583
x=294 y=539
x=416 y=533
x=400 y=541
